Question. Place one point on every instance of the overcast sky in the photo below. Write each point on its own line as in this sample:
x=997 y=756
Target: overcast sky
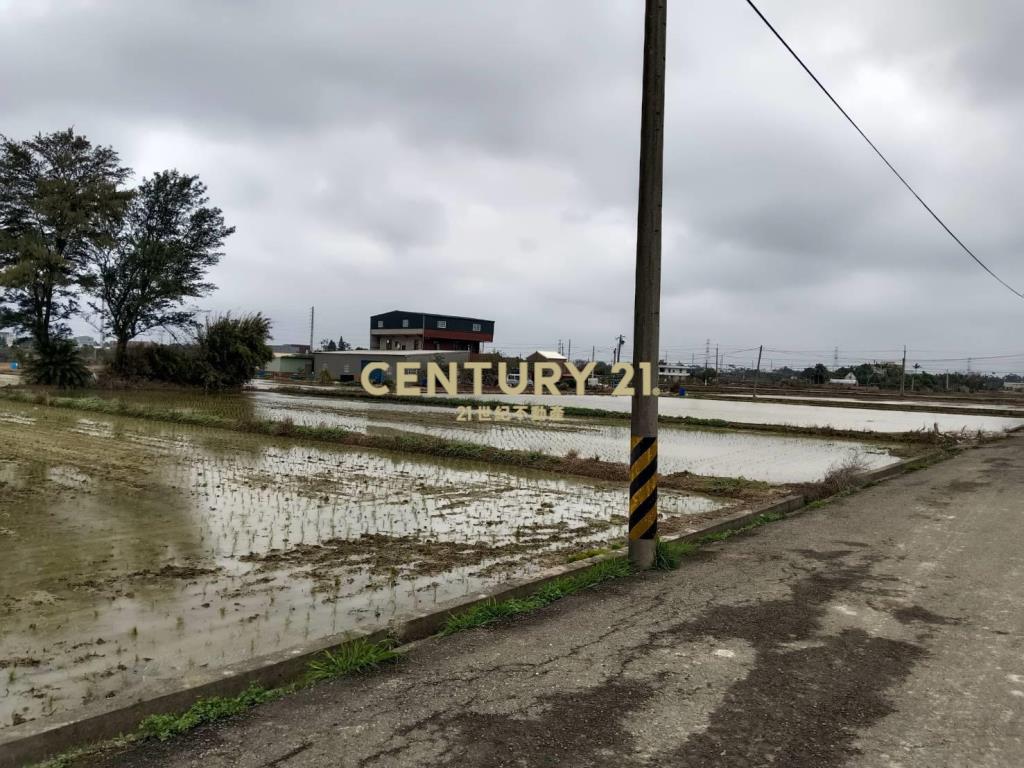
x=480 y=158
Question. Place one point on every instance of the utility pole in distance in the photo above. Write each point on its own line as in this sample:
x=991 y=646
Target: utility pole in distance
x=903 y=370
x=757 y=373
x=643 y=453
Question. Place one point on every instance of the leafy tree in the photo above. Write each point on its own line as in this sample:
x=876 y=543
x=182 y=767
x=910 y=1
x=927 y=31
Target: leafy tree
x=328 y=345
x=59 y=199
x=232 y=349
x=169 y=237
x=343 y=346
x=59 y=363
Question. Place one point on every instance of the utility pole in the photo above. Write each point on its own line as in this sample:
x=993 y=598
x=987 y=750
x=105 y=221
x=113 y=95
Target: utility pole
x=716 y=365
x=568 y=354
x=312 y=312
x=757 y=372
x=903 y=371
x=643 y=453
x=593 y=351
x=619 y=341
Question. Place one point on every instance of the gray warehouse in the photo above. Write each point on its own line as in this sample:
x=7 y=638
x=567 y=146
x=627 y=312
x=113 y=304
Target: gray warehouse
x=348 y=365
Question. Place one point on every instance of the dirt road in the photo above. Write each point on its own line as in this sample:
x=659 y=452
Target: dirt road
x=886 y=629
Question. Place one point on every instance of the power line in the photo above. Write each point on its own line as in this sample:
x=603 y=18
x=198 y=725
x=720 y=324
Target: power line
x=878 y=152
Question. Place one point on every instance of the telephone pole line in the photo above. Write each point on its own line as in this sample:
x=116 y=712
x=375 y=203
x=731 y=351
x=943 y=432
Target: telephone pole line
x=903 y=371
x=757 y=372
x=643 y=454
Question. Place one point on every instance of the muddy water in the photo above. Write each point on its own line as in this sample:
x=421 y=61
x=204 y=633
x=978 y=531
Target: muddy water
x=771 y=458
x=134 y=551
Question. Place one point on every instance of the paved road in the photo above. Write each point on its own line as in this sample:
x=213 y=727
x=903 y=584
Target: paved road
x=886 y=629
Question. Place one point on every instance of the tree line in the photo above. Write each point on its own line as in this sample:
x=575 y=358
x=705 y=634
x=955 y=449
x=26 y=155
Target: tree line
x=76 y=240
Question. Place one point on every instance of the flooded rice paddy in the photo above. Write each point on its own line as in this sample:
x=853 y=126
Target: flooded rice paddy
x=771 y=458
x=135 y=551
x=785 y=414
x=867 y=401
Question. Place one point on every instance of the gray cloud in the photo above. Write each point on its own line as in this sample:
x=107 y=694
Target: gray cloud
x=481 y=158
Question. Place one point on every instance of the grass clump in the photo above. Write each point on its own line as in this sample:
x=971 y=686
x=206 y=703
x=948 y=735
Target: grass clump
x=669 y=554
x=164 y=727
x=357 y=656
x=493 y=611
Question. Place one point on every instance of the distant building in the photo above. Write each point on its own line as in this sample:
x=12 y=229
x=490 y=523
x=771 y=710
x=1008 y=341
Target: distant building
x=292 y=349
x=849 y=380
x=348 y=365
x=290 y=364
x=1014 y=386
x=85 y=341
x=545 y=356
x=672 y=372
x=412 y=331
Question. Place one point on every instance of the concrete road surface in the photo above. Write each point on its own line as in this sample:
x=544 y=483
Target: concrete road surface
x=886 y=629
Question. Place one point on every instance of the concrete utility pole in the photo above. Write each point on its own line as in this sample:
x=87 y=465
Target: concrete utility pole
x=757 y=372
x=643 y=454
x=617 y=353
x=312 y=312
x=903 y=371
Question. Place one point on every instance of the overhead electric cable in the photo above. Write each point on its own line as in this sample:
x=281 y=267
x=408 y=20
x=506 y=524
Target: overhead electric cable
x=878 y=152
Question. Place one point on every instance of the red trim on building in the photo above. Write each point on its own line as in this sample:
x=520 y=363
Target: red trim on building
x=431 y=333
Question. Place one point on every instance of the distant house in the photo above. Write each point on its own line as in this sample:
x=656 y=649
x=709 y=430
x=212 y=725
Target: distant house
x=1014 y=386
x=399 y=330
x=545 y=356
x=671 y=372
x=849 y=380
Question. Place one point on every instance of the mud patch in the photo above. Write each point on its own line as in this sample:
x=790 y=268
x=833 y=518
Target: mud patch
x=799 y=707
x=915 y=614
x=964 y=486
x=583 y=728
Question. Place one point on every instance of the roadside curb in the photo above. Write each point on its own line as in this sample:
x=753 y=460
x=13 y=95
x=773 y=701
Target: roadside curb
x=33 y=742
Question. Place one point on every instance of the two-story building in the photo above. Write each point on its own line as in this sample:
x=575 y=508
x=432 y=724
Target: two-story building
x=411 y=331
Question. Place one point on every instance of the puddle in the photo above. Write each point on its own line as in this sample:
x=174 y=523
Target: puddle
x=134 y=550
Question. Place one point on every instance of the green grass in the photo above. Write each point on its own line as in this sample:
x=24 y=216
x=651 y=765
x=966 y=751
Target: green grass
x=669 y=554
x=164 y=727
x=352 y=658
x=494 y=611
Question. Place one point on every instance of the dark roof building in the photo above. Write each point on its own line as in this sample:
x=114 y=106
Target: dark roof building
x=400 y=330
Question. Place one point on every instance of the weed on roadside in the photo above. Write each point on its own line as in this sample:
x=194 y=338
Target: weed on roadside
x=164 y=727
x=357 y=656
x=493 y=611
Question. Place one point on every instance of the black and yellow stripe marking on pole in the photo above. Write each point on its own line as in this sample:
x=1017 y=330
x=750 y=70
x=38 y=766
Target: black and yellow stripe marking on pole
x=643 y=488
